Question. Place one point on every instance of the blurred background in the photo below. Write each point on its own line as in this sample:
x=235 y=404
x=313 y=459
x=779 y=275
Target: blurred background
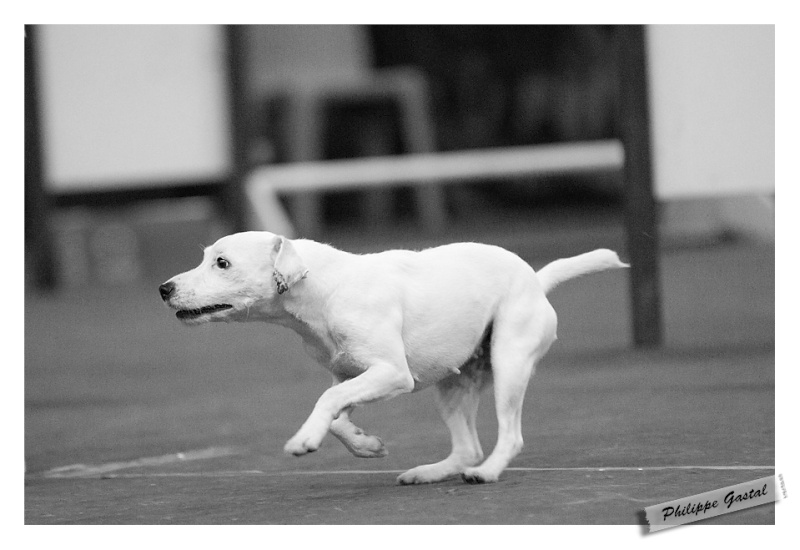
x=141 y=140
x=133 y=126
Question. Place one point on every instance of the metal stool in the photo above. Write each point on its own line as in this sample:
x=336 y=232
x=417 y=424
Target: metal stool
x=304 y=102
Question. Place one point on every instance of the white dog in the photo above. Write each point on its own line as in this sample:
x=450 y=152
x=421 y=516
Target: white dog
x=457 y=316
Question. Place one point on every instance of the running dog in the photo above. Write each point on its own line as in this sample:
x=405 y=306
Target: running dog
x=459 y=317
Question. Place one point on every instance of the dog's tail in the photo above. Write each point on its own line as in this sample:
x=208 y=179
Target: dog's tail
x=555 y=273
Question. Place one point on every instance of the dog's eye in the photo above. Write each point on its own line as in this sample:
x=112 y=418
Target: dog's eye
x=222 y=263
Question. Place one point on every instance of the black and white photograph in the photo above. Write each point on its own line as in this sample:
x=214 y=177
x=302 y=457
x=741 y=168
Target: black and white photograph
x=401 y=274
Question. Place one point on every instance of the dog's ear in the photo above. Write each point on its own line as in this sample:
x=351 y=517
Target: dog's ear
x=288 y=266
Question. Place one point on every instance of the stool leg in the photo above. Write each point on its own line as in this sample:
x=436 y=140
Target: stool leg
x=419 y=137
x=305 y=134
x=374 y=142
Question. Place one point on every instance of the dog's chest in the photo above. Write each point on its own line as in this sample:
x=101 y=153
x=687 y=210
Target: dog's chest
x=342 y=364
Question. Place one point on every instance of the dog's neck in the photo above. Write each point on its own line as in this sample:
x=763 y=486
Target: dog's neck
x=302 y=311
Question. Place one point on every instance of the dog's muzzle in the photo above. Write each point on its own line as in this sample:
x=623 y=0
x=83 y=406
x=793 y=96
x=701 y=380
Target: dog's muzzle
x=167 y=290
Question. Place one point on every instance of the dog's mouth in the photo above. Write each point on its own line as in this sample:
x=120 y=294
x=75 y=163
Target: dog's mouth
x=187 y=314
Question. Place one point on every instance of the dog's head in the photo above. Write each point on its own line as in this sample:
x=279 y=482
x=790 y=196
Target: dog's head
x=240 y=278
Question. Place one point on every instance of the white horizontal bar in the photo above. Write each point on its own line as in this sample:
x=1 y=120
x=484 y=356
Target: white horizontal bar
x=580 y=157
x=265 y=184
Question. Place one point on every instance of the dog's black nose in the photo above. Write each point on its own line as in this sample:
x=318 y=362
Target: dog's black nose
x=166 y=290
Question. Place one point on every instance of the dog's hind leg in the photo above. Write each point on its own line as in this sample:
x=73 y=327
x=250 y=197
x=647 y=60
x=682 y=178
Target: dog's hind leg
x=355 y=439
x=523 y=333
x=457 y=399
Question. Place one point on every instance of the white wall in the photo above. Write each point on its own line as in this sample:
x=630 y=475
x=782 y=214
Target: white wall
x=132 y=105
x=712 y=109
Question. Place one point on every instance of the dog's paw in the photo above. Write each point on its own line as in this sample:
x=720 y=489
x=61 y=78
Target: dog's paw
x=429 y=473
x=368 y=446
x=477 y=475
x=299 y=446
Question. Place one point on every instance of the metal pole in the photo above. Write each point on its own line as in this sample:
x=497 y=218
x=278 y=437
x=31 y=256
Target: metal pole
x=640 y=206
x=38 y=240
x=233 y=197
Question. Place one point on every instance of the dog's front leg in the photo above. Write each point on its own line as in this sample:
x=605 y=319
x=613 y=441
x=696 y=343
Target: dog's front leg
x=380 y=381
